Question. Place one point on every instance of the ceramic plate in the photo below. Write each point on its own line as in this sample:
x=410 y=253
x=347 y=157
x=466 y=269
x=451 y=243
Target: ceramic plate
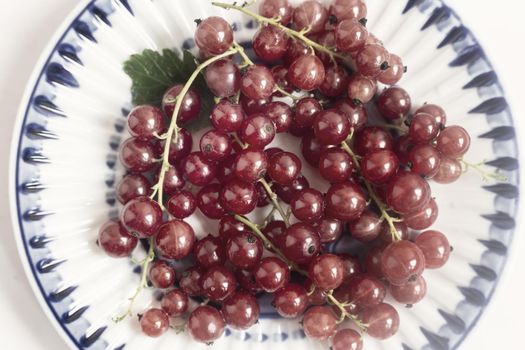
x=64 y=165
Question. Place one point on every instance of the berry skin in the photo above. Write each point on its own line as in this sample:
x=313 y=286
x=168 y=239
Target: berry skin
x=335 y=165
x=440 y=117
x=244 y=250
x=345 y=201
x=372 y=138
x=410 y=293
x=271 y=274
x=335 y=82
x=305 y=111
x=241 y=310
x=379 y=166
x=206 y=324
x=250 y=165
x=326 y=271
x=190 y=281
x=394 y=103
x=345 y=9
x=175 y=240
x=371 y=59
x=257 y=83
x=181 y=205
x=307 y=72
x=189 y=109
x=257 y=131
x=218 y=283
x=270 y=43
x=453 y=141
x=291 y=300
x=209 y=203
x=239 y=197
x=223 y=78
x=161 y=275
x=301 y=243
x=137 y=156
x=280 y=114
x=215 y=145
x=144 y=122
x=402 y=262
x=214 y=35
x=435 y=247
x=407 y=192
x=423 y=128
x=132 y=186
x=319 y=323
x=175 y=303
x=154 y=322
x=227 y=116
x=115 y=240
x=284 y=168
x=308 y=205
x=310 y=14
x=382 y=320
x=209 y=251
x=350 y=35
x=142 y=217
x=331 y=127
x=347 y=339
x=198 y=170
x=276 y=8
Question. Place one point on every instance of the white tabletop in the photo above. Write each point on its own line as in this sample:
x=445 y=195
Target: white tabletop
x=27 y=25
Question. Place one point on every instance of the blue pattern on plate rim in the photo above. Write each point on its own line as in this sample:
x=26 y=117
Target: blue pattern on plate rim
x=469 y=54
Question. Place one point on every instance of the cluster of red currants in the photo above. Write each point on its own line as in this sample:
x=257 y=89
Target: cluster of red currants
x=378 y=176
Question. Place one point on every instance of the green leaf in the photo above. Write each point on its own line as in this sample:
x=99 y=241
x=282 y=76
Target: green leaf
x=153 y=72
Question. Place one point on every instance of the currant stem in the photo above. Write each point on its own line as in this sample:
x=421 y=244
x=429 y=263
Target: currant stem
x=144 y=264
x=271 y=247
x=384 y=213
x=173 y=132
x=275 y=202
x=486 y=176
x=290 y=32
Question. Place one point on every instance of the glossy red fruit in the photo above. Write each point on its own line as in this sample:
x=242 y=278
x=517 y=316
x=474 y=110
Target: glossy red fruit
x=372 y=261
x=154 y=322
x=407 y=192
x=270 y=43
x=371 y=59
x=344 y=9
x=180 y=148
x=395 y=71
x=308 y=205
x=424 y=160
x=335 y=165
x=350 y=35
x=190 y=281
x=316 y=296
x=331 y=127
x=239 y=197
x=275 y=231
x=301 y=243
x=347 y=339
x=132 y=186
x=351 y=265
x=115 y=240
x=280 y=114
x=241 y=310
x=206 y=324
x=423 y=128
x=209 y=251
x=284 y=168
x=250 y=165
x=286 y=193
x=257 y=82
x=229 y=226
x=175 y=240
x=453 y=141
x=435 y=248
x=214 y=35
x=182 y=204
x=175 y=303
x=361 y=89
x=227 y=116
x=319 y=323
x=142 y=217
x=394 y=103
x=276 y=9
x=410 y=293
x=356 y=114
x=291 y=300
x=401 y=262
x=310 y=14
x=335 y=82
x=218 y=282
x=271 y=274
x=223 y=78
x=305 y=111
x=209 y=202
x=311 y=149
x=386 y=235
x=326 y=271
x=144 y=122
x=366 y=290
x=379 y=166
x=436 y=111
x=173 y=180
x=449 y=171
x=161 y=275
x=307 y=72
x=244 y=250
x=382 y=321
x=189 y=109
x=137 y=156
x=402 y=147
x=345 y=201
x=372 y=138
x=366 y=228
x=198 y=170
x=215 y=145
x=423 y=218
x=225 y=169
x=329 y=229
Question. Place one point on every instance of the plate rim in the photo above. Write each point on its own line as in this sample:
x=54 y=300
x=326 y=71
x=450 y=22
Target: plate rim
x=38 y=71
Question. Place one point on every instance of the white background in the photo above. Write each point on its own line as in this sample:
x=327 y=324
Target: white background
x=27 y=25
